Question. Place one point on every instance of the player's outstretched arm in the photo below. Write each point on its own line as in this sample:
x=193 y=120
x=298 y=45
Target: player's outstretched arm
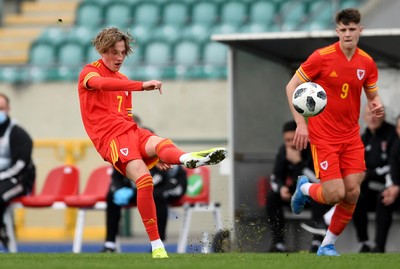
x=152 y=85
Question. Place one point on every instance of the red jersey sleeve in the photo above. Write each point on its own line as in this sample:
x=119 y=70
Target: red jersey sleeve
x=91 y=78
x=311 y=67
x=371 y=81
x=113 y=84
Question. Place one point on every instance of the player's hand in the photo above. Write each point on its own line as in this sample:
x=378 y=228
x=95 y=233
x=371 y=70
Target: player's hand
x=163 y=166
x=376 y=107
x=285 y=193
x=390 y=194
x=300 y=140
x=378 y=111
x=122 y=196
x=152 y=85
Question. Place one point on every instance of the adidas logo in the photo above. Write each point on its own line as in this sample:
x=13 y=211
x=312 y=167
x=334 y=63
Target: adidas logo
x=333 y=74
x=150 y=221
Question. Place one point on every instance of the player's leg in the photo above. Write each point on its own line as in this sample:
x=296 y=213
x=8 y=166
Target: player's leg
x=352 y=167
x=162 y=214
x=384 y=217
x=342 y=214
x=360 y=216
x=275 y=218
x=316 y=226
x=137 y=171
x=9 y=189
x=113 y=215
x=169 y=153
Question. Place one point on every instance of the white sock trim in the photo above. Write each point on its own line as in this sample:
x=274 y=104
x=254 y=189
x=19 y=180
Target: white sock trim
x=156 y=244
x=305 y=188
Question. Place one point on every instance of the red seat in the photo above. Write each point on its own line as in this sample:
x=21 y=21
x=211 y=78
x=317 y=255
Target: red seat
x=92 y=198
x=60 y=182
x=95 y=191
x=263 y=187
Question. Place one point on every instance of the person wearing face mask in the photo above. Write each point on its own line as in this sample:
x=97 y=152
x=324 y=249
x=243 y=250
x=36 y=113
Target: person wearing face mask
x=17 y=171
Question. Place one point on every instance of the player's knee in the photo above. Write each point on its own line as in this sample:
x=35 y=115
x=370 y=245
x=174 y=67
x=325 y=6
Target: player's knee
x=334 y=196
x=353 y=194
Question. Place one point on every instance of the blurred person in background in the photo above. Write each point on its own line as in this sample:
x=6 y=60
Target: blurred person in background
x=391 y=195
x=290 y=163
x=378 y=138
x=105 y=97
x=17 y=171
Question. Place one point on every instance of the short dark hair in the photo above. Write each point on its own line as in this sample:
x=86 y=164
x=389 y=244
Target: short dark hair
x=289 y=126
x=347 y=16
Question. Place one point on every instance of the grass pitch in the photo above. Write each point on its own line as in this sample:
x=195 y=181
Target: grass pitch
x=194 y=261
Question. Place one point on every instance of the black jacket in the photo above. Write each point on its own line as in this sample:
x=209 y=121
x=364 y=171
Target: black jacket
x=378 y=147
x=286 y=173
x=21 y=146
x=394 y=162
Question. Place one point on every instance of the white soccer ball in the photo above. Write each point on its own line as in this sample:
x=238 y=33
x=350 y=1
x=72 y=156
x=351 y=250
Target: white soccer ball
x=309 y=99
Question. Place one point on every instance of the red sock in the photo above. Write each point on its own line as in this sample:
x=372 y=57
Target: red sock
x=342 y=215
x=146 y=206
x=168 y=152
x=316 y=194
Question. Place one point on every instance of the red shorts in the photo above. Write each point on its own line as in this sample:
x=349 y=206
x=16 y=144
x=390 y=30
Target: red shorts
x=334 y=161
x=130 y=146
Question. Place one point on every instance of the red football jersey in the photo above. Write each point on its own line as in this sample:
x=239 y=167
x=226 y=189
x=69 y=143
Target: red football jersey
x=106 y=113
x=343 y=81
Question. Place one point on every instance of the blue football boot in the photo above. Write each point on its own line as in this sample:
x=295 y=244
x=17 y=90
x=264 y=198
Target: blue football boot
x=298 y=198
x=328 y=250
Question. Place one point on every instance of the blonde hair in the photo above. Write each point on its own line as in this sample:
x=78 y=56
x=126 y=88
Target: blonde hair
x=107 y=38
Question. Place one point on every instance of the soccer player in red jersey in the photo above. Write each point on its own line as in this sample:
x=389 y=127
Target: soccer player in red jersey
x=106 y=110
x=343 y=70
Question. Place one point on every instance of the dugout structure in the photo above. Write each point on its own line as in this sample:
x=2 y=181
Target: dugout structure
x=260 y=65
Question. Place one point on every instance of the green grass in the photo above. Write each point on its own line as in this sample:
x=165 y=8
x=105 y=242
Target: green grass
x=194 y=261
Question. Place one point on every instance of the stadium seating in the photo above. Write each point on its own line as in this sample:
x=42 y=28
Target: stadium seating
x=215 y=60
x=71 y=57
x=215 y=53
x=261 y=16
x=90 y=14
x=42 y=54
x=147 y=14
x=71 y=54
x=322 y=11
x=293 y=14
x=169 y=22
x=118 y=14
x=92 y=198
x=205 y=13
x=81 y=34
x=158 y=53
x=60 y=181
x=175 y=13
x=53 y=35
x=234 y=13
x=187 y=53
